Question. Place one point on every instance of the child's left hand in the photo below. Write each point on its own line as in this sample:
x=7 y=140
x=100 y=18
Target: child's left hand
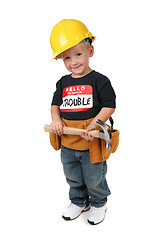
x=87 y=136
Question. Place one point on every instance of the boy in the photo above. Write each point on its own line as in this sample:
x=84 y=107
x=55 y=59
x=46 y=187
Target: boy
x=80 y=99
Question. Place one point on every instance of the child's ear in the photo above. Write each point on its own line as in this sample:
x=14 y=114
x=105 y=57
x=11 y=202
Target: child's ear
x=91 y=51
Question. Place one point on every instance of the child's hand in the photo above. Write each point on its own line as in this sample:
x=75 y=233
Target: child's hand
x=57 y=126
x=87 y=136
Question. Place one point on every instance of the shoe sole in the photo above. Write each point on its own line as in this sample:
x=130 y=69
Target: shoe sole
x=70 y=219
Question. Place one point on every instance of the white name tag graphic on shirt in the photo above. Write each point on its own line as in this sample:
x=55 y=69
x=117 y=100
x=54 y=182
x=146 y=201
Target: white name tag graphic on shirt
x=77 y=98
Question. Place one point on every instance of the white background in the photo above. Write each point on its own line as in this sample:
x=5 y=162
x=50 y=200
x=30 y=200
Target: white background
x=33 y=190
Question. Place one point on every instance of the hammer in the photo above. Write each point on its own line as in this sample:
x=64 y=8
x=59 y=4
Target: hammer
x=105 y=133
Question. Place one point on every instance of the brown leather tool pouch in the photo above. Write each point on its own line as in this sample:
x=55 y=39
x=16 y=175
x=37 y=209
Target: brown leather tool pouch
x=55 y=141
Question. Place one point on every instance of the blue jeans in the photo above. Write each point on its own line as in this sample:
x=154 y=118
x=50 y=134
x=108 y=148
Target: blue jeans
x=87 y=181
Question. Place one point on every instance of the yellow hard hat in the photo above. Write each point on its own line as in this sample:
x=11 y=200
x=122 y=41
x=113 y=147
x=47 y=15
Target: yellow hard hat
x=66 y=34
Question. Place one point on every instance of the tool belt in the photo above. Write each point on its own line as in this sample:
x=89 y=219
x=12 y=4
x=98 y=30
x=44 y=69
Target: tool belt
x=97 y=149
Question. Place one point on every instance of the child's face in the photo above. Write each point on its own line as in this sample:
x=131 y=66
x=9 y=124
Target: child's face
x=76 y=59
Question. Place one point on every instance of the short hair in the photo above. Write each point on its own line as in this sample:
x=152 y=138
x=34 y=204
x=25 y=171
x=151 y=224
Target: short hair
x=89 y=40
x=86 y=40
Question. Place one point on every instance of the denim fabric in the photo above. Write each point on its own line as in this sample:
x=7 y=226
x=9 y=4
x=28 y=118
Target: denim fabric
x=87 y=181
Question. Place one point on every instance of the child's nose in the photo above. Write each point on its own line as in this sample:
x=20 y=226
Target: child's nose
x=74 y=61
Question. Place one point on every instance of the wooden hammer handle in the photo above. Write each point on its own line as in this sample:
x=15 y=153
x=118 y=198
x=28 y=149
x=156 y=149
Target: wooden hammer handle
x=73 y=131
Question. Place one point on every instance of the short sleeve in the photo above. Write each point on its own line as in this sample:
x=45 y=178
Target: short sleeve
x=57 y=96
x=106 y=93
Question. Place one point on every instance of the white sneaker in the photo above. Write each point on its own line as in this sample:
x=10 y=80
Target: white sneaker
x=97 y=215
x=73 y=211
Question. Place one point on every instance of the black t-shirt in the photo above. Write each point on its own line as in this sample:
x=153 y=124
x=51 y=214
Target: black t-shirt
x=83 y=98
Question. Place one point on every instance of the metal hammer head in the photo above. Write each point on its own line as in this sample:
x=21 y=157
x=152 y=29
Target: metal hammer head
x=105 y=134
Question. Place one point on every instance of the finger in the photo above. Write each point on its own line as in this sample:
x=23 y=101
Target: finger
x=82 y=135
x=60 y=129
x=89 y=137
x=86 y=136
x=56 y=130
x=51 y=126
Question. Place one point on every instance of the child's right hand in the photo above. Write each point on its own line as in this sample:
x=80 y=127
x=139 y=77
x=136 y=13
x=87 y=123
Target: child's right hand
x=57 y=126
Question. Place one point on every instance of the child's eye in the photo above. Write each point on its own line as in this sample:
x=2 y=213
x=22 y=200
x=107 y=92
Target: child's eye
x=66 y=58
x=79 y=54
